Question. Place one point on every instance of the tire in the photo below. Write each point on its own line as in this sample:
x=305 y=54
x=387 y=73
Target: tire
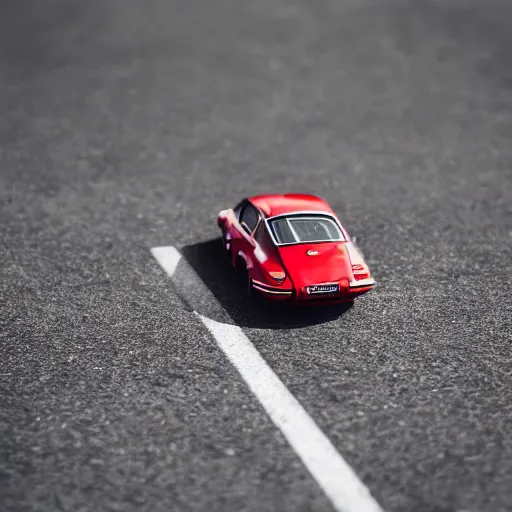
x=250 y=292
x=243 y=278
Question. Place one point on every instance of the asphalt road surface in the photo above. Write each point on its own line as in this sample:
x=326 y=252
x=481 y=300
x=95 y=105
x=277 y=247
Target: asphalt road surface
x=126 y=125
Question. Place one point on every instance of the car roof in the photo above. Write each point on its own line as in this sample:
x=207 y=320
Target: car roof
x=279 y=204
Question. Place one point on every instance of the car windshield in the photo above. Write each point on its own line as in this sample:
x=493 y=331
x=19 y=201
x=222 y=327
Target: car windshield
x=293 y=230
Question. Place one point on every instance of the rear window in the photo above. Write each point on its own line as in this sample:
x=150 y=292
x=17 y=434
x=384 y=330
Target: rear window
x=292 y=230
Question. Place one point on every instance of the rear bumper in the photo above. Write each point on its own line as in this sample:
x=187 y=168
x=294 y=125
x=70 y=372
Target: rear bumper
x=272 y=292
x=363 y=283
x=346 y=293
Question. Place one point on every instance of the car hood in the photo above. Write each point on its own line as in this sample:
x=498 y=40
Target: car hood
x=330 y=264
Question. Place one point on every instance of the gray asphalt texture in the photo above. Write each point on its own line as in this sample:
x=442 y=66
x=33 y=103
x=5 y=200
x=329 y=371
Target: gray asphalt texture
x=126 y=125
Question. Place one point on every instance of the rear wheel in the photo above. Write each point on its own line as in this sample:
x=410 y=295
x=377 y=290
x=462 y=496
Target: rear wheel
x=243 y=278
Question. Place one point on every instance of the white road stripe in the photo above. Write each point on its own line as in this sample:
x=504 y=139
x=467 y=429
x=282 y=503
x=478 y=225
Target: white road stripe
x=167 y=257
x=337 y=479
x=329 y=469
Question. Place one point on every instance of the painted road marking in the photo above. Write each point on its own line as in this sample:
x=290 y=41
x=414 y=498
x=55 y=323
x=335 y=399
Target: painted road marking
x=167 y=257
x=337 y=479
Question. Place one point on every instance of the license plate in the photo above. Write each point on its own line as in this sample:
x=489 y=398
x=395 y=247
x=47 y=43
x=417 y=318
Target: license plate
x=322 y=289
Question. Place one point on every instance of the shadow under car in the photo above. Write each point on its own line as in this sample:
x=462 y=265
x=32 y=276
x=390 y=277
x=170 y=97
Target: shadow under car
x=210 y=261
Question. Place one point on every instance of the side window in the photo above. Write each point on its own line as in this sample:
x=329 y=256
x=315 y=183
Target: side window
x=249 y=218
x=239 y=208
x=260 y=235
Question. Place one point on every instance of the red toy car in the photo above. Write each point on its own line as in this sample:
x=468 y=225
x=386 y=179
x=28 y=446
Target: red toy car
x=293 y=247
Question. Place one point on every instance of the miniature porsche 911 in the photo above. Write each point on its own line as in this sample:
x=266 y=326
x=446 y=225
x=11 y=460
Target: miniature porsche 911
x=292 y=247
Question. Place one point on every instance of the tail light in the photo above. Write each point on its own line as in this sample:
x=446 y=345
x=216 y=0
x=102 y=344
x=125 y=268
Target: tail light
x=278 y=276
x=359 y=268
x=360 y=272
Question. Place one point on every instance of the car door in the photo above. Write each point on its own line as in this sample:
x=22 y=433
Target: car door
x=242 y=240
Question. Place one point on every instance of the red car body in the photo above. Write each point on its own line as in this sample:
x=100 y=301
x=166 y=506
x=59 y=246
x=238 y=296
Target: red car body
x=293 y=247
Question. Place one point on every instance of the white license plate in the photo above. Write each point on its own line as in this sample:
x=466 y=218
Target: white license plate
x=322 y=289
